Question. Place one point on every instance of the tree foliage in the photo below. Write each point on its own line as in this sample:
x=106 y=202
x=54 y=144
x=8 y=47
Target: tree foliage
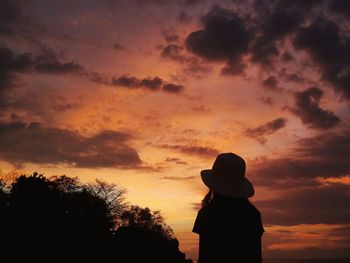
x=61 y=217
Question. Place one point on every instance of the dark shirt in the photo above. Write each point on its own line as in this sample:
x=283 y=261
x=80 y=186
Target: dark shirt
x=230 y=230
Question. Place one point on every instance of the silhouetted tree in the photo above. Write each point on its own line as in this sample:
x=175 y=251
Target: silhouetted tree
x=112 y=195
x=143 y=236
x=60 y=219
x=136 y=216
x=46 y=216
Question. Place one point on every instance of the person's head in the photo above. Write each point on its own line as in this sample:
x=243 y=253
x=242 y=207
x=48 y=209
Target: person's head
x=227 y=177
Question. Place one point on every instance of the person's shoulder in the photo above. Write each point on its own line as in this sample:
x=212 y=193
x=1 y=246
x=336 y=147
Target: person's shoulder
x=253 y=208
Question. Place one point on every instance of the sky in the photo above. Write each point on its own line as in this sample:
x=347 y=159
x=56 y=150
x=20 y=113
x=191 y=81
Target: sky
x=146 y=93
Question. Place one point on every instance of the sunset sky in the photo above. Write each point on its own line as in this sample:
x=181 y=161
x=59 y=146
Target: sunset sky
x=146 y=93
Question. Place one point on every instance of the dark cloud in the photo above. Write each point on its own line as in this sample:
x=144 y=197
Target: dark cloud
x=99 y=78
x=15 y=25
x=173 y=52
x=48 y=63
x=233 y=67
x=284 y=18
x=340 y=7
x=57 y=67
x=12 y=63
x=330 y=50
x=286 y=56
x=311 y=114
x=118 y=46
x=192 y=2
x=184 y=18
x=176 y=160
x=154 y=83
x=10 y=17
x=32 y=143
x=191 y=66
x=127 y=81
x=327 y=146
x=195 y=68
x=262 y=51
x=323 y=156
x=170 y=35
x=277 y=19
x=266 y=129
x=154 y=2
x=314 y=205
x=202 y=151
x=224 y=37
x=270 y=82
x=14 y=99
x=173 y=88
x=295 y=78
x=133 y=82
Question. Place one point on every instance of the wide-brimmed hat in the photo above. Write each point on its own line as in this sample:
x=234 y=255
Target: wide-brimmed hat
x=227 y=176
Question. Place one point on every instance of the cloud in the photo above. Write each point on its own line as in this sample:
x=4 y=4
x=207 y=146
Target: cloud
x=175 y=160
x=48 y=63
x=297 y=78
x=16 y=25
x=128 y=81
x=170 y=35
x=12 y=63
x=11 y=19
x=173 y=88
x=275 y=21
x=325 y=156
x=224 y=37
x=191 y=66
x=201 y=151
x=262 y=51
x=153 y=2
x=173 y=52
x=33 y=143
x=184 y=18
x=57 y=67
x=311 y=114
x=271 y=83
x=265 y=129
x=330 y=49
x=286 y=56
x=118 y=46
x=191 y=2
x=133 y=82
x=341 y=7
x=315 y=205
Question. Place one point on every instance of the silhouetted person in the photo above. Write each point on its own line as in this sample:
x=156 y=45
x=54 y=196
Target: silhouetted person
x=229 y=226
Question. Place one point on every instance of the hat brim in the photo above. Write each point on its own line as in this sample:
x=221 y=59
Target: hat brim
x=239 y=188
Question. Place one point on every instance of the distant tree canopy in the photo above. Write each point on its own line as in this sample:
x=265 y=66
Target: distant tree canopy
x=59 y=218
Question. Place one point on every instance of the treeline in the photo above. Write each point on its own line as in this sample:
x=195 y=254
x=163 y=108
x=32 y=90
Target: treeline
x=60 y=219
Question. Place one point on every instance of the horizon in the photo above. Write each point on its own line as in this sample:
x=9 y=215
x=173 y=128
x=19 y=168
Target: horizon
x=146 y=93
